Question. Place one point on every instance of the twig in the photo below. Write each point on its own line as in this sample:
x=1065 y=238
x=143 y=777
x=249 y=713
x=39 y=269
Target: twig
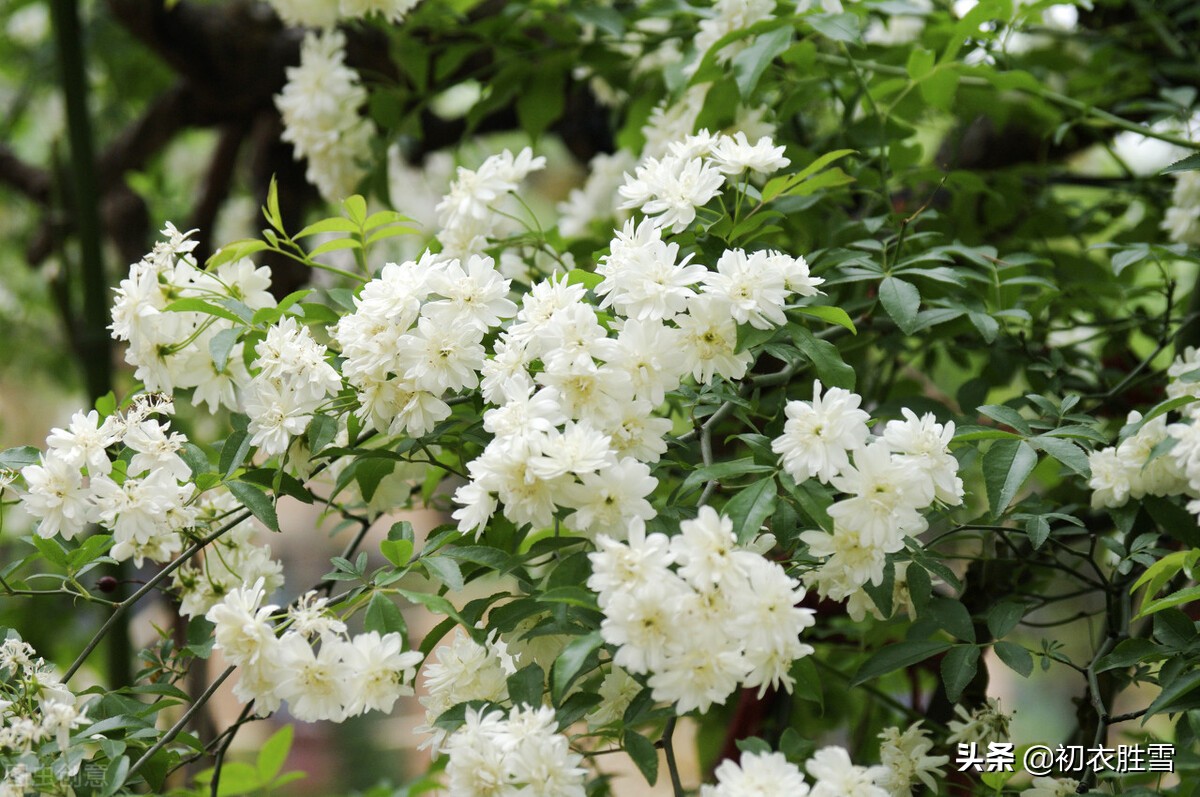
x=175 y=729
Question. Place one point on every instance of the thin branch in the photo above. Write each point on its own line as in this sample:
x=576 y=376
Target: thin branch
x=175 y=730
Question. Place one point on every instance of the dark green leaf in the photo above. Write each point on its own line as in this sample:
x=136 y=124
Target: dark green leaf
x=958 y=668
x=750 y=507
x=826 y=359
x=1015 y=656
x=1006 y=466
x=1003 y=617
x=896 y=656
x=526 y=685
x=258 y=502
x=572 y=661
x=644 y=754
x=902 y=300
x=384 y=617
x=953 y=617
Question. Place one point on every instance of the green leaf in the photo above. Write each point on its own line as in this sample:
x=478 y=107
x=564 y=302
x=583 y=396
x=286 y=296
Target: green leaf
x=1178 y=598
x=194 y=305
x=750 y=507
x=436 y=604
x=1003 y=617
x=897 y=656
x=644 y=754
x=273 y=753
x=234 y=452
x=959 y=666
x=1171 y=692
x=1066 y=452
x=1006 y=466
x=826 y=359
x=236 y=251
x=542 y=100
x=445 y=570
x=114 y=776
x=588 y=279
x=952 y=616
x=839 y=27
x=398 y=552
x=356 y=209
x=902 y=300
x=721 y=470
x=19 y=457
x=1015 y=656
x=526 y=685
x=834 y=315
x=1006 y=415
x=1037 y=528
x=920 y=63
x=1128 y=653
x=321 y=431
x=778 y=186
x=939 y=87
x=334 y=224
x=384 y=617
x=808 y=682
x=221 y=344
x=572 y=661
x=258 y=502
x=750 y=63
x=1189 y=164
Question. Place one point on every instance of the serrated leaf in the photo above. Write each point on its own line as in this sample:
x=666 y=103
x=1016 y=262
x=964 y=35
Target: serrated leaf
x=1128 y=653
x=398 y=552
x=902 y=301
x=959 y=666
x=526 y=685
x=572 y=661
x=750 y=507
x=1037 y=528
x=897 y=656
x=826 y=359
x=1015 y=656
x=445 y=570
x=1006 y=466
x=953 y=617
x=1189 y=164
x=1171 y=692
x=644 y=755
x=258 y=502
x=1066 y=452
x=384 y=617
x=1003 y=617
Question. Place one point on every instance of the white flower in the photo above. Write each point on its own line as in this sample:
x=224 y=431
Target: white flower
x=884 y=494
x=243 y=631
x=736 y=155
x=643 y=277
x=906 y=757
x=670 y=189
x=757 y=775
x=316 y=685
x=84 y=441
x=380 y=670
x=608 y=501
x=56 y=496
x=705 y=548
x=837 y=776
x=1052 y=787
x=710 y=340
x=923 y=443
x=755 y=290
x=988 y=723
x=820 y=434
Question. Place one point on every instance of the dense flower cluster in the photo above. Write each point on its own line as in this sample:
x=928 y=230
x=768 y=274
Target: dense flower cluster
x=891 y=480
x=321 y=106
x=38 y=715
x=515 y=756
x=745 y=603
x=1157 y=458
x=327 y=13
x=345 y=677
x=173 y=342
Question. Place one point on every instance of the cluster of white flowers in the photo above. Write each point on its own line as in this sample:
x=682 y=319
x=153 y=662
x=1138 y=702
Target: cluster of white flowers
x=327 y=13
x=890 y=481
x=35 y=708
x=729 y=16
x=172 y=349
x=521 y=755
x=1052 y=787
x=746 y=604
x=292 y=380
x=230 y=563
x=458 y=671
x=346 y=677
x=833 y=772
x=597 y=198
x=1158 y=458
x=468 y=213
x=416 y=334
x=321 y=106
x=670 y=189
x=906 y=758
x=146 y=504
